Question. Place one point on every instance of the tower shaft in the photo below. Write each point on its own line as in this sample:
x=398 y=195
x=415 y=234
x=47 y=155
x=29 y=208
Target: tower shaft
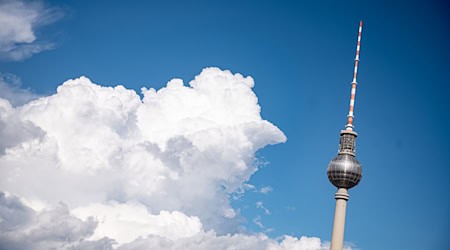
x=337 y=236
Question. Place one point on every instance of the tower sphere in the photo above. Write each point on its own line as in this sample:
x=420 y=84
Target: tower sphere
x=344 y=171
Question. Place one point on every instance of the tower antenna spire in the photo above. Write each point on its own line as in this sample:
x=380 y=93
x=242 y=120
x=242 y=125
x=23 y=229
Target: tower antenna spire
x=350 y=116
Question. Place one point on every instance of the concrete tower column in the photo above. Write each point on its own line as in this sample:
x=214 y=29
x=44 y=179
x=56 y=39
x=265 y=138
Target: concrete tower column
x=337 y=237
x=344 y=171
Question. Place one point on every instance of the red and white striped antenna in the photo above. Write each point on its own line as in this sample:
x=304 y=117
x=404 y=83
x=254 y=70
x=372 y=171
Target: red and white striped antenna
x=349 y=125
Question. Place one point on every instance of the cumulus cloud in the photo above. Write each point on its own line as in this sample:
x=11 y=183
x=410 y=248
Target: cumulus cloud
x=18 y=23
x=14 y=131
x=123 y=222
x=210 y=240
x=23 y=228
x=152 y=172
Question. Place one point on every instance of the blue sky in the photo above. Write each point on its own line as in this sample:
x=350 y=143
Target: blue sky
x=300 y=54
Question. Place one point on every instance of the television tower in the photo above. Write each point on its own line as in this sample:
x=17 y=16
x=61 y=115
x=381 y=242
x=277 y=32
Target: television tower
x=344 y=171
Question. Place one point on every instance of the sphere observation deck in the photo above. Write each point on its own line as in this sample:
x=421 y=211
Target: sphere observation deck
x=344 y=171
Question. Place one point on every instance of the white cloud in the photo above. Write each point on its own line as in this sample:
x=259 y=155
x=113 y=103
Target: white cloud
x=156 y=172
x=257 y=222
x=55 y=228
x=13 y=130
x=266 y=190
x=209 y=240
x=23 y=228
x=260 y=205
x=125 y=222
x=10 y=89
x=18 y=23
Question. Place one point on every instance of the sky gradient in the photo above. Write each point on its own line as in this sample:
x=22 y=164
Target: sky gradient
x=300 y=55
